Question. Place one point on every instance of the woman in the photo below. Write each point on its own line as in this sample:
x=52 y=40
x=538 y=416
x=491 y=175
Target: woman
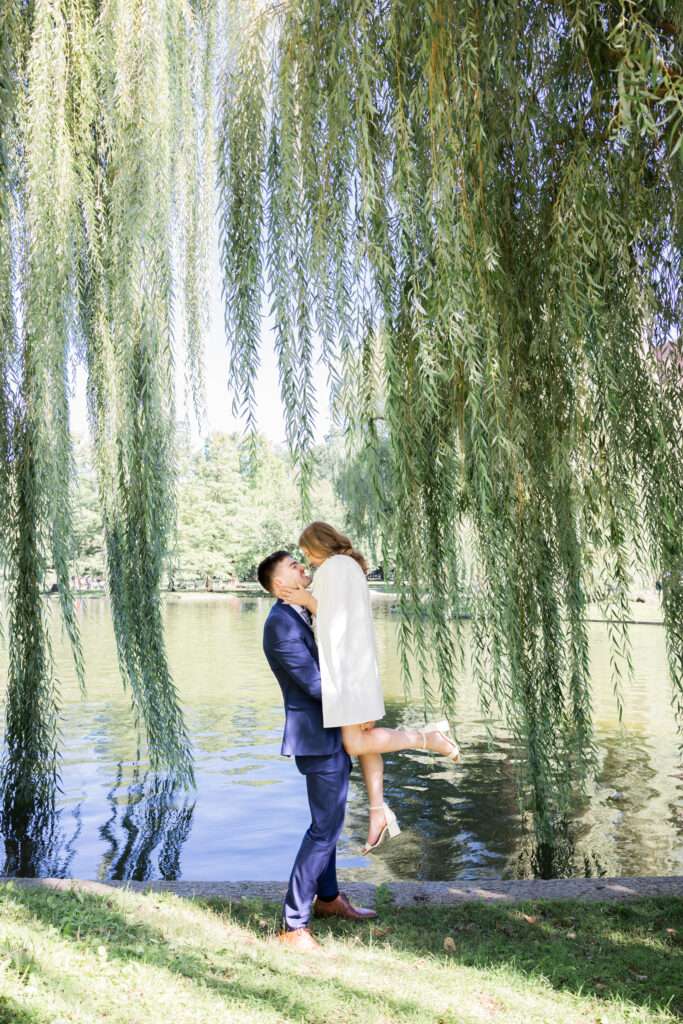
x=339 y=598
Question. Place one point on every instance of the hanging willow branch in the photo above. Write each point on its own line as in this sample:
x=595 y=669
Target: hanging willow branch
x=106 y=186
x=481 y=200
x=491 y=193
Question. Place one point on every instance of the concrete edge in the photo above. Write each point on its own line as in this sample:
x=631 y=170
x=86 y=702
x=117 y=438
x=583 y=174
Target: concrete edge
x=403 y=893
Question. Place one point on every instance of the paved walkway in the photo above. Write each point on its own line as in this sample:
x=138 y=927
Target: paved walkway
x=404 y=893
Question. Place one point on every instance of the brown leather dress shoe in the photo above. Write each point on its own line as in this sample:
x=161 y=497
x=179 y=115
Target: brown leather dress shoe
x=300 y=940
x=340 y=907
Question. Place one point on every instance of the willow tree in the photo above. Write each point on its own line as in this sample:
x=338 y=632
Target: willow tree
x=486 y=198
x=475 y=206
x=106 y=192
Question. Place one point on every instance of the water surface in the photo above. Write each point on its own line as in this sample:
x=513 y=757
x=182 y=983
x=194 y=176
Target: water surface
x=247 y=816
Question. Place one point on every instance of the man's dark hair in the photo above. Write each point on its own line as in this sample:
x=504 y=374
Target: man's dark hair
x=268 y=567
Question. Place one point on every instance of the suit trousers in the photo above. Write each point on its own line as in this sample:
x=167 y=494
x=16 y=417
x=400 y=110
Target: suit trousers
x=315 y=869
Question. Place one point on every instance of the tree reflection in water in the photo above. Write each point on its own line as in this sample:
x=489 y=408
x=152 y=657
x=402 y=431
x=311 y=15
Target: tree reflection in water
x=153 y=819
x=34 y=841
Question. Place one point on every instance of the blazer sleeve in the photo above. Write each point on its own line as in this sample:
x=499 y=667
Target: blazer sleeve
x=286 y=646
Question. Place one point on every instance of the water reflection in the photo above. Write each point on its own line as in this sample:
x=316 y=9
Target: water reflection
x=149 y=816
x=461 y=819
x=35 y=842
x=247 y=816
x=637 y=793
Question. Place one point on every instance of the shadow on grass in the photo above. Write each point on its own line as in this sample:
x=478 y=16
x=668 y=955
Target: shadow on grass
x=12 y=1013
x=619 y=951
x=631 y=951
x=235 y=973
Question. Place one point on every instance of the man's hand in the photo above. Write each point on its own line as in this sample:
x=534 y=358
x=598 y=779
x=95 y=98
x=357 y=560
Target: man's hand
x=365 y=726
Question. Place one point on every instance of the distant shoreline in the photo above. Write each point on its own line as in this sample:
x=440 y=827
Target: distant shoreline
x=645 y=607
x=207 y=595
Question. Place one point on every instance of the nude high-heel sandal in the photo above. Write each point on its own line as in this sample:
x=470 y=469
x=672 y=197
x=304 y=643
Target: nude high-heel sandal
x=444 y=727
x=390 y=829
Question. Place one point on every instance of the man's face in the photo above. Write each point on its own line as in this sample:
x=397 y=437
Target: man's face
x=290 y=574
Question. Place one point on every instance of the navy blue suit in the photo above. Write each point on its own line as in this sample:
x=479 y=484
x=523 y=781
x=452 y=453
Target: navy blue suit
x=290 y=648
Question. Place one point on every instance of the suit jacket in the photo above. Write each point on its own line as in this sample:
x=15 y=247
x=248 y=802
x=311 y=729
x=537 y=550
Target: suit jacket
x=289 y=646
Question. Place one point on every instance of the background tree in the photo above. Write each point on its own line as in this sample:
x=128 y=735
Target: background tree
x=214 y=512
x=238 y=501
x=88 y=529
x=492 y=194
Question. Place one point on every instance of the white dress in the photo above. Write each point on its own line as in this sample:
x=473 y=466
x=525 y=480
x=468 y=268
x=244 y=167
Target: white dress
x=349 y=672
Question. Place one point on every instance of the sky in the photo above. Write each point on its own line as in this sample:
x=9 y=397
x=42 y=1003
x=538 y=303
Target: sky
x=218 y=398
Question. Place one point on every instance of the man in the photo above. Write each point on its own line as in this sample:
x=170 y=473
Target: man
x=290 y=648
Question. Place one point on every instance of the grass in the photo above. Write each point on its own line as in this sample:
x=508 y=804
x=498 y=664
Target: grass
x=131 y=958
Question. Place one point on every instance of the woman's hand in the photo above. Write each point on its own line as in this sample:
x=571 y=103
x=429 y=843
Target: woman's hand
x=365 y=726
x=295 y=595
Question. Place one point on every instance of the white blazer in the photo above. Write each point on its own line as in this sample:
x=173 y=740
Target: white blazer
x=349 y=672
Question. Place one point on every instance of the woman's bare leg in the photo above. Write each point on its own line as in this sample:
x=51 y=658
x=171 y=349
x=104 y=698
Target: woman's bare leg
x=368 y=745
x=381 y=741
x=372 y=768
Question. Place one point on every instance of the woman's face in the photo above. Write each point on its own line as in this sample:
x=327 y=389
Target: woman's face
x=313 y=558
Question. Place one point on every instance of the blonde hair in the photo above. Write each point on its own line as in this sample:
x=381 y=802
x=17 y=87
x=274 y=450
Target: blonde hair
x=322 y=539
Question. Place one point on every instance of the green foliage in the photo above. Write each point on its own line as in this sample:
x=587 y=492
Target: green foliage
x=478 y=208
x=213 y=511
x=475 y=206
x=237 y=501
x=107 y=144
x=87 y=557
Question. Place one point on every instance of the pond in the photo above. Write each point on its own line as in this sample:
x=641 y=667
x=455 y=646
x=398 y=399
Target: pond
x=248 y=813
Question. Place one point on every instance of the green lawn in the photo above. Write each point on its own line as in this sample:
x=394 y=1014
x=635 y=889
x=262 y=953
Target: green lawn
x=128 y=957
